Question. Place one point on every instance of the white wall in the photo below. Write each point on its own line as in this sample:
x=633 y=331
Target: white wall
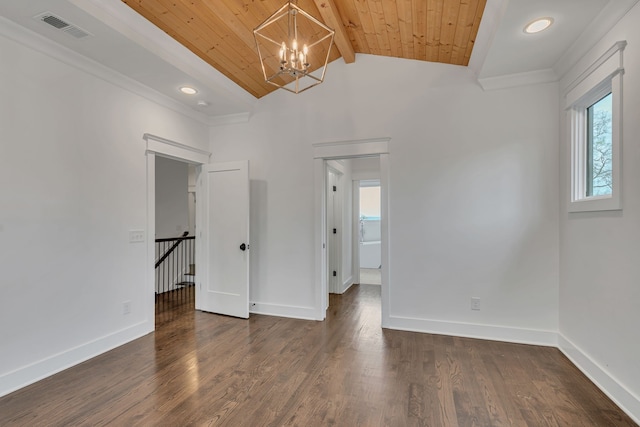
x=473 y=192
x=599 y=286
x=72 y=185
x=172 y=201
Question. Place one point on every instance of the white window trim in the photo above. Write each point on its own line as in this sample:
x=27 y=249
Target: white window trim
x=602 y=77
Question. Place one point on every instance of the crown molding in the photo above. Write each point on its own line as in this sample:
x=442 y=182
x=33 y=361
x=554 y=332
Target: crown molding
x=35 y=41
x=608 y=17
x=518 y=79
x=229 y=119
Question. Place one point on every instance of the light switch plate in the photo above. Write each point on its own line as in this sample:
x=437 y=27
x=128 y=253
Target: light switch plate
x=136 y=236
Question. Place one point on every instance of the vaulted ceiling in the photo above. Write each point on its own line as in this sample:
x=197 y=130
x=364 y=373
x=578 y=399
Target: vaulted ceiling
x=221 y=31
x=140 y=56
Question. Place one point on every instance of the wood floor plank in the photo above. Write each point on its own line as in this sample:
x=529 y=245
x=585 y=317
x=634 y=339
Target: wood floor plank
x=201 y=369
x=447 y=373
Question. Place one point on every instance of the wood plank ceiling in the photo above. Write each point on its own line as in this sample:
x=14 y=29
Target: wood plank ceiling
x=221 y=31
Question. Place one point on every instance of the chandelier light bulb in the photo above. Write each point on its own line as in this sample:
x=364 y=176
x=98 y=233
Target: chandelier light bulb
x=283 y=54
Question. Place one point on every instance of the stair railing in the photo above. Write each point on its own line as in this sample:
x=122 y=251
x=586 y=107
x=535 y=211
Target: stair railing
x=175 y=271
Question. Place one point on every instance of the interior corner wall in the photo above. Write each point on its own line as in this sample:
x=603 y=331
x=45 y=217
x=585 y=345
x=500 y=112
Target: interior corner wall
x=172 y=201
x=473 y=193
x=73 y=184
x=599 y=251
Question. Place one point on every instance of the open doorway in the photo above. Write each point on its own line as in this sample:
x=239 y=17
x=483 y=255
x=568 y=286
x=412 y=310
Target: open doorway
x=353 y=224
x=189 y=158
x=174 y=238
x=369 y=232
x=222 y=282
x=345 y=152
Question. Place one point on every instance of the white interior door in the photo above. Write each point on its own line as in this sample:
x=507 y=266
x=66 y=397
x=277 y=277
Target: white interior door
x=224 y=205
x=334 y=230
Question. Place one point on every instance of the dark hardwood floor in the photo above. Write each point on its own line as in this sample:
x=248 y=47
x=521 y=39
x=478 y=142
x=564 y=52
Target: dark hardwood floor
x=200 y=369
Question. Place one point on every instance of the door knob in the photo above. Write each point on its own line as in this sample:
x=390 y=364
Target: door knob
x=243 y=247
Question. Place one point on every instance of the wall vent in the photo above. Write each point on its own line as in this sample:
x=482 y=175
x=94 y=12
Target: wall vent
x=62 y=25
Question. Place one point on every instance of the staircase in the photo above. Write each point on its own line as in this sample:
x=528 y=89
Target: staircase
x=175 y=272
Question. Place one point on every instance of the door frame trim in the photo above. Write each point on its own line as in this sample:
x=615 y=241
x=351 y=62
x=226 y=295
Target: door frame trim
x=340 y=150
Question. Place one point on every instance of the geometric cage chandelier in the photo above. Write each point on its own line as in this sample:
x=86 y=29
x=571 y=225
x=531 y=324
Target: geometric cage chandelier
x=294 y=48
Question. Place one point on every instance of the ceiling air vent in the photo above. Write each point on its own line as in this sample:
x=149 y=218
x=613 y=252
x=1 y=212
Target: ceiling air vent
x=62 y=25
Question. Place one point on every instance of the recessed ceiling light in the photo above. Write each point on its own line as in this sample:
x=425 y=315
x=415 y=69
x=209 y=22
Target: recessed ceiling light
x=538 y=25
x=188 y=90
x=202 y=103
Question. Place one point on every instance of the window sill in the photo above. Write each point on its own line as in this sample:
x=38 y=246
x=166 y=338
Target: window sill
x=596 y=203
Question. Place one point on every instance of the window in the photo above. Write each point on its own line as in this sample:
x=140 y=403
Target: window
x=599 y=148
x=595 y=113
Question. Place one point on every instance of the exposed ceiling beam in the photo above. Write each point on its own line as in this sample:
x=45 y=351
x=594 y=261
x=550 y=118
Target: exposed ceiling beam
x=332 y=18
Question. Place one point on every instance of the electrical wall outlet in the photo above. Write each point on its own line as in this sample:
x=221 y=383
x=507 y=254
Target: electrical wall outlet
x=136 y=236
x=126 y=307
x=475 y=303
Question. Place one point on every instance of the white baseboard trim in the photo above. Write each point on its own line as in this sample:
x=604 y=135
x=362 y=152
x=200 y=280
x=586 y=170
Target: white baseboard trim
x=26 y=375
x=290 y=311
x=347 y=284
x=348 y=287
x=471 y=330
x=609 y=385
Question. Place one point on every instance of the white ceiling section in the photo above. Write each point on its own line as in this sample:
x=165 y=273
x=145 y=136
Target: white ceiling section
x=503 y=55
x=513 y=51
x=518 y=58
x=129 y=44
